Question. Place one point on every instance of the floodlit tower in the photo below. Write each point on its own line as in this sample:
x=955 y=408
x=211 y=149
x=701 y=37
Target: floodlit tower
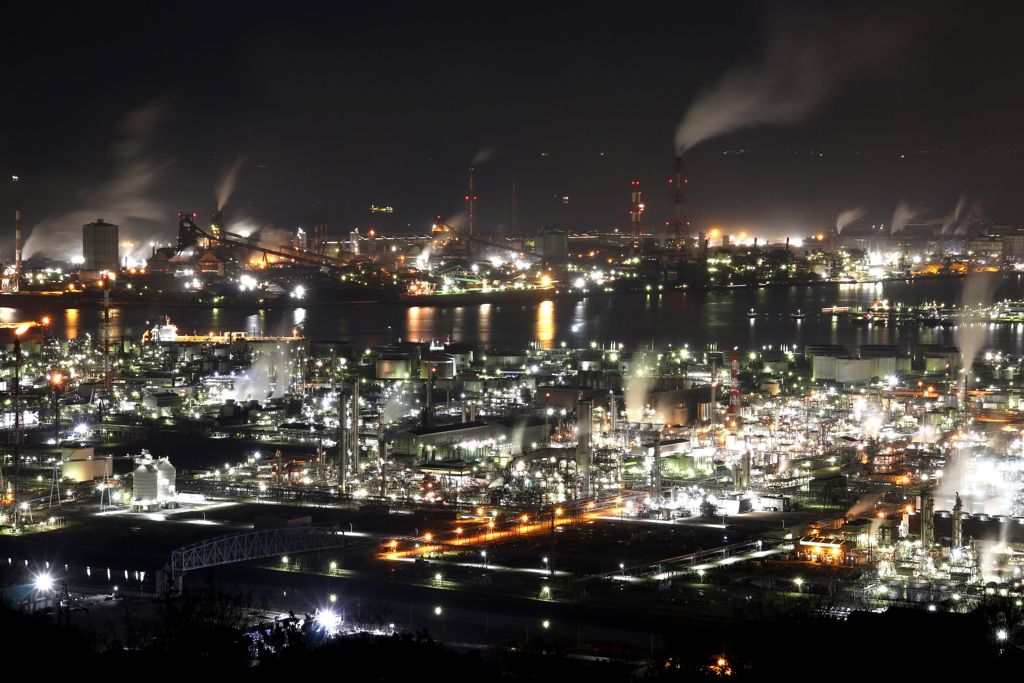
x=734 y=390
x=216 y=226
x=634 y=221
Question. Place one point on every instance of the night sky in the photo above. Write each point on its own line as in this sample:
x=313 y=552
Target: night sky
x=799 y=111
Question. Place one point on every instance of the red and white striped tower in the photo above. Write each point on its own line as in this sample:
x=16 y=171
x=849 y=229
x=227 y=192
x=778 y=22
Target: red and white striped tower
x=634 y=221
x=17 y=245
x=734 y=390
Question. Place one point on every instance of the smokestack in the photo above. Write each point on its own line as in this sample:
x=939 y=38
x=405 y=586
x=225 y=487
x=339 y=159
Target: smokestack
x=634 y=221
x=473 y=228
x=927 y=519
x=106 y=334
x=734 y=390
x=17 y=245
x=584 y=427
x=682 y=233
x=958 y=522
x=656 y=470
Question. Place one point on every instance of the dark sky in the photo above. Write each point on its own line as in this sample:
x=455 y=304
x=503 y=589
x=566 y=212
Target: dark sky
x=134 y=116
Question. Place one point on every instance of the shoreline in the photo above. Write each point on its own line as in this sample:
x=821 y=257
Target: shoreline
x=72 y=300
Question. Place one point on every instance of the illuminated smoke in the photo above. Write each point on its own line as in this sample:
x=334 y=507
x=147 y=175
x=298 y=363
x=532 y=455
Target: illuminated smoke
x=124 y=199
x=849 y=216
x=806 y=60
x=635 y=393
x=904 y=213
x=227 y=183
x=865 y=504
x=636 y=398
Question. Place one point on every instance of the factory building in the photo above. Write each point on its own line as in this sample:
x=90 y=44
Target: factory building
x=99 y=248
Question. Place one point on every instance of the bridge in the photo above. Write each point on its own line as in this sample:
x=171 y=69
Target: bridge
x=253 y=545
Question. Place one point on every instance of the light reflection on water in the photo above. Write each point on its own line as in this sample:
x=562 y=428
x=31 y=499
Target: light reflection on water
x=545 y=327
x=637 y=321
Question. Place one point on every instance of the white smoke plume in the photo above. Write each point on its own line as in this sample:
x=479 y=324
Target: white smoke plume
x=849 y=216
x=485 y=154
x=226 y=184
x=904 y=213
x=458 y=220
x=972 y=332
x=272 y=237
x=953 y=220
x=961 y=204
x=808 y=58
x=125 y=199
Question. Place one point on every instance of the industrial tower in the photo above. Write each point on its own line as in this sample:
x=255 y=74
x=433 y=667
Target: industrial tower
x=681 y=228
x=635 y=227
x=472 y=229
x=734 y=390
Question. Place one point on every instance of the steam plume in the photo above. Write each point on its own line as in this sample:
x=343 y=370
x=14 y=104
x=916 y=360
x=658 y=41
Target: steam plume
x=961 y=204
x=954 y=219
x=807 y=59
x=485 y=154
x=905 y=212
x=972 y=333
x=124 y=199
x=849 y=216
x=227 y=183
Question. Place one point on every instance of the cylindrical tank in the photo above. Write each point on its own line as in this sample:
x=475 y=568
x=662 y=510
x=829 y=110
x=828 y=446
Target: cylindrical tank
x=145 y=484
x=165 y=474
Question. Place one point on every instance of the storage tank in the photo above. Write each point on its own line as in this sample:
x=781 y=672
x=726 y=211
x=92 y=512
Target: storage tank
x=165 y=474
x=823 y=368
x=392 y=366
x=145 y=487
x=87 y=469
x=853 y=370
